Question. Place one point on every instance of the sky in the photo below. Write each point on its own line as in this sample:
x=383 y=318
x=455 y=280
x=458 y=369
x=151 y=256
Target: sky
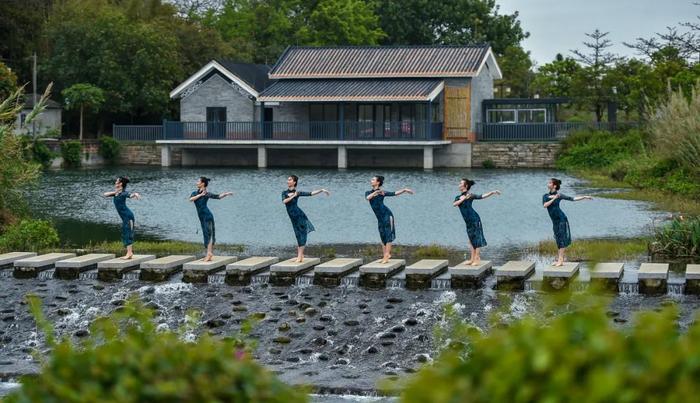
x=557 y=26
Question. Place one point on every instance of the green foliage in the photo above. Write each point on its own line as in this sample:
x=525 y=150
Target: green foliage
x=599 y=149
x=42 y=154
x=680 y=238
x=675 y=128
x=109 y=149
x=8 y=81
x=29 y=235
x=83 y=96
x=72 y=153
x=577 y=356
x=598 y=250
x=431 y=252
x=160 y=248
x=555 y=79
x=516 y=66
x=488 y=164
x=125 y=358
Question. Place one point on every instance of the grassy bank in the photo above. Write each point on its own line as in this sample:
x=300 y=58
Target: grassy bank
x=597 y=250
x=158 y=248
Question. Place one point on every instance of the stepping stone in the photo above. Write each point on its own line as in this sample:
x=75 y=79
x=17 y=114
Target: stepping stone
x=607 y=276
x=467 y=276
x=692 y=279
x=70 y=269
x=512 y=275
x=653 y=278
x=198 y=271
x=420 y=274
x=114 y=269
x=374 y=275
x=285 y=273
x=240 y=273
x=162 y=268
x=557 y=278
x=7 y=260
x=330 y=274
x=31 y=266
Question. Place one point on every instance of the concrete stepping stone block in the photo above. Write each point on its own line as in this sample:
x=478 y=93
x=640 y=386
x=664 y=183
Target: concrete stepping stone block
x=331 y=273
x=607 y=276
x=162 y=268
x=467 y=276
x=512 y=275
x=285 y=273
x=555 y=278
x=375 y=274
x=114 y=269
x=692 y=279
x=70 y=269
x=198 y=271
x=420 y=274
x=30 y=267
x=653 y=278
x=7 y=260
x=241 y=272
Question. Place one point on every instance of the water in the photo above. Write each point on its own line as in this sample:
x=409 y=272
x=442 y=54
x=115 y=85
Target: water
x=255 y=216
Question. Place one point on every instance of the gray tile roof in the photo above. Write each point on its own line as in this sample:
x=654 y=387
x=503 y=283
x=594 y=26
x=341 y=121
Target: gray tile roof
x=351 y=90
x=379 y=61
x=254 y=75
x=29 y=102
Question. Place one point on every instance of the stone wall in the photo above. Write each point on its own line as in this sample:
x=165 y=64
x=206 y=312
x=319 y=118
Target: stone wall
x=217 y=92
x=145 y=154
x=515 y=155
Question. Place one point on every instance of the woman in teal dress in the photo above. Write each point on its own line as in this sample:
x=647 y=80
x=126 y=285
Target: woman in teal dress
x=560 y=224
x=301 y=224
x=200 y=197
x=119 y=196
x=475 y=232
x=385 y=218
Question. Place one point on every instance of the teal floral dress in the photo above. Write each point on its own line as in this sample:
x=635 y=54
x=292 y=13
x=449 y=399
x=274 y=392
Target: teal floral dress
x=301 y=224
x=560 y=224
x=475 y=232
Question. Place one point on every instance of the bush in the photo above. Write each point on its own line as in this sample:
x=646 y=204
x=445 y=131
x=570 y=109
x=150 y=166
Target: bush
x=29 y=235
x=576 y=357
x=675 y=128
x=42 y=154
x=109 y=149
x=680 y=238
x=126 y=359
x=488 y=164
x=590 y=149
x=72 y=153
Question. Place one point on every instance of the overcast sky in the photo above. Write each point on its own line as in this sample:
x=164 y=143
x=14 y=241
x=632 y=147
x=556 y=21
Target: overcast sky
x=557 y=26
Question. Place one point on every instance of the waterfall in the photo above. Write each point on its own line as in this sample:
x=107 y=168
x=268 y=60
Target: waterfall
x=46 y=274
x=441 y=284
x=395 y=283
x=132 y=275
x=350 y=281
x=628 y=288
x=216 y=278
x=304 y=281
x=260 y=278
x=88 y=275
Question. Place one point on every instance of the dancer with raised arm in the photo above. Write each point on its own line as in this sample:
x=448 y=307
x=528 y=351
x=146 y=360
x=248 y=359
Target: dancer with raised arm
x=475 y=232
x=119 y=196
x=301 y=224
x=560 y=223
x=385 y=218
x=200 y=197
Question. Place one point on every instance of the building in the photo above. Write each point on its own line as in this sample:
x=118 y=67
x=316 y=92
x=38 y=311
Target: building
x=350 y=106
x=47 y=123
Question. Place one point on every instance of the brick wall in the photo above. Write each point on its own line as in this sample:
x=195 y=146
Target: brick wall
x=515 y=155
x=145 y=154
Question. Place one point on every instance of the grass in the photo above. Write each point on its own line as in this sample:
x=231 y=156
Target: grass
x=431 y=252
x=159 y=248
x=598 y=249
x=662 y=201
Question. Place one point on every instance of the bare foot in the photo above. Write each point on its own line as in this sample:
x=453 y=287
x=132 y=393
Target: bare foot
x=468 y=262
x=208 y=258
x=299 y=259
x=127 y=257
x=476 y=262
x=558 y=264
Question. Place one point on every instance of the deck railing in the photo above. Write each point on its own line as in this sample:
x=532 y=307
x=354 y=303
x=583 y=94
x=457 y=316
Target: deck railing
x=554 y=131
x=335 y=130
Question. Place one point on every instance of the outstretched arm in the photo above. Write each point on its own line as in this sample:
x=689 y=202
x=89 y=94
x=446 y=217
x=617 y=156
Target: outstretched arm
x=223 y=195
x=135 y=195
x=491 y=193
x=319 y=191
x=109 y=194
x=577 y=198
x=404 y=190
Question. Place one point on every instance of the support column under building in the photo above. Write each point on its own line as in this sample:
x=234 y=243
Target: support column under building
x=427 y=157
x=262 y=157
x=342 y=157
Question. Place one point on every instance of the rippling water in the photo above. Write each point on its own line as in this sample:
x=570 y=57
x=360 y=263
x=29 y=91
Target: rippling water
x=256 y=217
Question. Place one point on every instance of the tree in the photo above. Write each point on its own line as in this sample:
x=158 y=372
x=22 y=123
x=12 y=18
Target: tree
x=83 y=96
x=596 y=61
x=21 y=31
x=340 y=22
x=555 y=79
x=449 y=22
x=8 y=81
x=516 y=67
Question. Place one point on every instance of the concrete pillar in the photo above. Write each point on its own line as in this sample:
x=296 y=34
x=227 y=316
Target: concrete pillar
x=427 y=157
x=342 y=157
x=262 y=157
x=166 y=156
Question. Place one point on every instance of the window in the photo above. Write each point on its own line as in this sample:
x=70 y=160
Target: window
x=216 y=114
x=502 y=116
x=532 y=116
x=323 y=112
x=525 y=115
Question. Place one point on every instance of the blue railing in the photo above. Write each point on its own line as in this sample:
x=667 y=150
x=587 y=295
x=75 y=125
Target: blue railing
x=335 y=130
x=554 y=131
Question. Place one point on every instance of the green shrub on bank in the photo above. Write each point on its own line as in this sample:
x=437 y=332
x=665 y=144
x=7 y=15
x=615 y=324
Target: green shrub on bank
x=29 y=235
x=109 y=149
x=680 y=238
x=72 y=153
x=126 y=359
x=591 y=149
x=42 y=154
x=576 y=357
x=675 y=128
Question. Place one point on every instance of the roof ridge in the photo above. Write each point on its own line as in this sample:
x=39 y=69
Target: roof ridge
x=436 y=46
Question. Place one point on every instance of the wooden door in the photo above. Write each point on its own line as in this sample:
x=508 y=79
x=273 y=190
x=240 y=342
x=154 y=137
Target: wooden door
x=457 y=112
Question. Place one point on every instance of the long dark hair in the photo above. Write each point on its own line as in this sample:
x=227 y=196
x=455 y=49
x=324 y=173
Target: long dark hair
x=556 y=182
x=204 y=180
x=124 y=181
x=295 y=179
x=468 y=182
x=380 y=179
